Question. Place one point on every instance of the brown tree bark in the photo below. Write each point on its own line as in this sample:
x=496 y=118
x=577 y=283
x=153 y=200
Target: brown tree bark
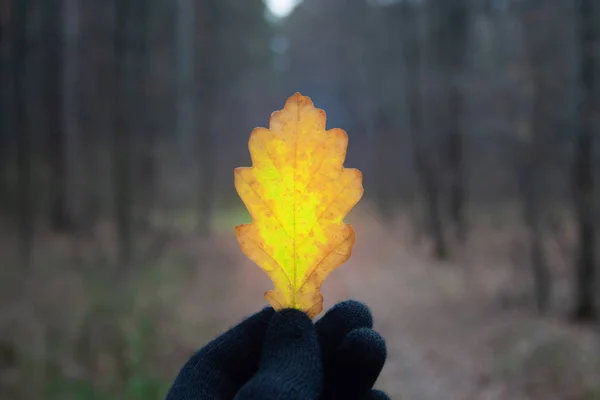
x=208 y=91
x=456 y=15
x=52 y=14
x=19 y=44
x=425 y=169
x=586 y=284
x=122 y=146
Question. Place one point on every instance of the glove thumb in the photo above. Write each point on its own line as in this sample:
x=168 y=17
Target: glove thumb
x=290 y=366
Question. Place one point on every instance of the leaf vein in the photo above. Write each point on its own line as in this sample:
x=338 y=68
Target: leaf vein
x=310 y=179
x=267 y=206
x=315 y=268
x=318 y=219
x=268 y=255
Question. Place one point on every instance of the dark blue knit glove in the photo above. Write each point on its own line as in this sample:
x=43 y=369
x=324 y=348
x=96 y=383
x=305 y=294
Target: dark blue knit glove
x=284 y=356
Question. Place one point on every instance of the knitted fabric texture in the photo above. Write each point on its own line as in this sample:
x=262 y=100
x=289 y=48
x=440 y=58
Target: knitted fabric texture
x=277 y=356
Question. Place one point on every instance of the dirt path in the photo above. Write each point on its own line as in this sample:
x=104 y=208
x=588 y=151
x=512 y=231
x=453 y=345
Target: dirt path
x=400 y=290
x=403 y=298
x=441 y=334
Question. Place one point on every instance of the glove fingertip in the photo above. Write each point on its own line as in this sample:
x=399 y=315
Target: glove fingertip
x=339 y=321
x=357 y=362
x=357 y=310
x=366 y=344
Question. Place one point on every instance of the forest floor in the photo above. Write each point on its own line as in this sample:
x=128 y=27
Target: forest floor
x=449 y=334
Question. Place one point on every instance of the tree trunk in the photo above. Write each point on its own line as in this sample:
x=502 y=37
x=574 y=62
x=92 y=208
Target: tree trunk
x=451 y=32
x=147 y=134
x=207 y=179
x=455 y=159
x=533 y=146
x=19 y=62
x=70 y=110
x=52 y=37
x=426 y=177
x=528 y=177
x=586 y=270
x=385 y=193
x=186 y=90
x=208 y=76
x=122 y=134
x=5 y=112
x=142 y=129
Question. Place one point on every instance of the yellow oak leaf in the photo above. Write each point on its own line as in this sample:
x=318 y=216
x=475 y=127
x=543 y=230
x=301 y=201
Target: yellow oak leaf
x=297 y=192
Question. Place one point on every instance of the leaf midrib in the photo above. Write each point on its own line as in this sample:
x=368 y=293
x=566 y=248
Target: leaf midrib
x=294 y=264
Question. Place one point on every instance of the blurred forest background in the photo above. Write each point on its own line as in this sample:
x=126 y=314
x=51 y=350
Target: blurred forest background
x=475 y=123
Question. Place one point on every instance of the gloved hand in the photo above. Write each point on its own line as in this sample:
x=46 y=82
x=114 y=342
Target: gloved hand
x=284 y=356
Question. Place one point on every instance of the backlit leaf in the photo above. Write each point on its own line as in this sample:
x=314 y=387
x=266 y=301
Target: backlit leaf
x=297 y=192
